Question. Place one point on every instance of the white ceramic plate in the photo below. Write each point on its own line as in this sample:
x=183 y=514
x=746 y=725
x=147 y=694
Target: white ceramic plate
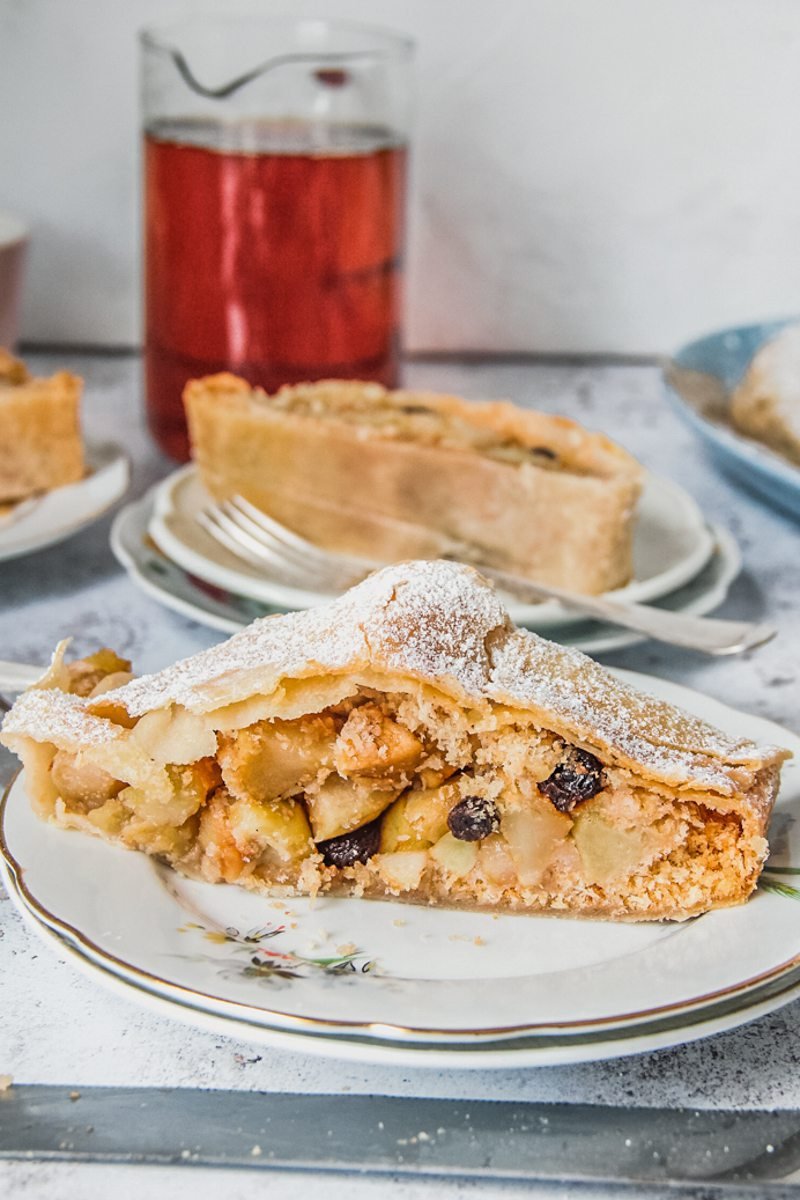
x=56 y=515
x=210 y=605
x=671 y=545
x=390 y=982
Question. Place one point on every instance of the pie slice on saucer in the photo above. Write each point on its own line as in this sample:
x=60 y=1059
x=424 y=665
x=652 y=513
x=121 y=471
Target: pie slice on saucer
x=404 y=742
x=392 y=475
x=40 y=438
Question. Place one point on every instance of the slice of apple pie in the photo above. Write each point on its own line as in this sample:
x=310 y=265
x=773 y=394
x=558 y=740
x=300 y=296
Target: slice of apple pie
x=40 y=436
x=392 y=475
x=766 y=402
x=405 y=741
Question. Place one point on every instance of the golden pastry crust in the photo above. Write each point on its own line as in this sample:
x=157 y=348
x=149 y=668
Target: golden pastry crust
x=390 y=475
x=766 y=404
x=407 y=741
x=40 y=439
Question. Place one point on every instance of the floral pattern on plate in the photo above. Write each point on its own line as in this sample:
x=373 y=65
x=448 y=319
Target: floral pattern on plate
x=252 y=959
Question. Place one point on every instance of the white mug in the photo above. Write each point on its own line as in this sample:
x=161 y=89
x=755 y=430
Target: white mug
x=13 y=242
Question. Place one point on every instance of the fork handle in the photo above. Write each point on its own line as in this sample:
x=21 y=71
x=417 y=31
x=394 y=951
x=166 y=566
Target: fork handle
x=16 y=677
x=711 y=635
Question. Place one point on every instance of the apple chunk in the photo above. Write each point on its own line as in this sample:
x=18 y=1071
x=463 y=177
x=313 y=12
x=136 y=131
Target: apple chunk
x=280 y=825
x=341 y=805
x=496 y=863
x=454 y=857
x=372 y=744
x=533 y=833
x=608 y=851
x=402 y=871
x=183 y=792
x=277 y=758
x=428 y=809
x=396 y=831
x=82 y=785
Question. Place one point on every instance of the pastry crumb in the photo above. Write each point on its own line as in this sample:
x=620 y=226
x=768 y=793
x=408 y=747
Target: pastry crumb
x=346 y=949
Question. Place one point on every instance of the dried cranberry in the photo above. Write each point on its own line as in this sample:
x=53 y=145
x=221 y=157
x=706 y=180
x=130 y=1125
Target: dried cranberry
x=357 y=846
x=577 y=777
x=473 y=818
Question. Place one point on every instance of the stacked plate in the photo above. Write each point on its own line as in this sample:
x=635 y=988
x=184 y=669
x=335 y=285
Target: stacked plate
x=680 y=564
x=53 y=516
x=403 y=984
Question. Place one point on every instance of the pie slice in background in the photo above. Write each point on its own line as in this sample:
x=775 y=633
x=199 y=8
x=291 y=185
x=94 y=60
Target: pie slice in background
x=40 y=437
x=766 y=403
x=393 y=475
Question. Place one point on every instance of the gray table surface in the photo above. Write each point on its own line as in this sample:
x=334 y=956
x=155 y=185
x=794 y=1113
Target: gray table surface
x=59 y=1028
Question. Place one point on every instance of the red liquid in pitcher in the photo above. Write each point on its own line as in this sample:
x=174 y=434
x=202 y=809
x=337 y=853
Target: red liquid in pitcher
x=269 y=258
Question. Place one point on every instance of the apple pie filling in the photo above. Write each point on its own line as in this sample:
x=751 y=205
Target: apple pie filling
x=415 y=417
x=393 y=794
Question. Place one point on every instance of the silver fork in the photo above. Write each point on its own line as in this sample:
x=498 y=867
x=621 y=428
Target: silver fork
x=265 y=543
x=16 y=677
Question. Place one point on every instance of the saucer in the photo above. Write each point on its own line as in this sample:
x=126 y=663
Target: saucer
x=193 y=597
x=43 y=520
x=671 y=545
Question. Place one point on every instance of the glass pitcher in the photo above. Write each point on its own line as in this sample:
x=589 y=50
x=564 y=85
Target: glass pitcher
x=274 y=183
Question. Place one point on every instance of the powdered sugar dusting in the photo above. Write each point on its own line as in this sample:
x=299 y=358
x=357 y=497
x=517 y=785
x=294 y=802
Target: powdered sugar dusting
x=575 y=692
x=443 y=623
x=774 y=374
x=437 y=624
x=287 y=646
x=53 y=716
x=428 y=618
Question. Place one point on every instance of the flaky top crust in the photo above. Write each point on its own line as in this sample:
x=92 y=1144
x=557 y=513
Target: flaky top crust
x=441 y=625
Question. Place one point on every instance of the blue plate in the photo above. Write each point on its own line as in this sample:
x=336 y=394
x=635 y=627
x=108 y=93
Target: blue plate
x=699 y=379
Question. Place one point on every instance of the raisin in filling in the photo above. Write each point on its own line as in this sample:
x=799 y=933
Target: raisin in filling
x=357 y=846
x=577 y=777
x=473 y=818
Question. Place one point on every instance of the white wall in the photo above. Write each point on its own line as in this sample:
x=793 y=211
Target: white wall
x=589 y=174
